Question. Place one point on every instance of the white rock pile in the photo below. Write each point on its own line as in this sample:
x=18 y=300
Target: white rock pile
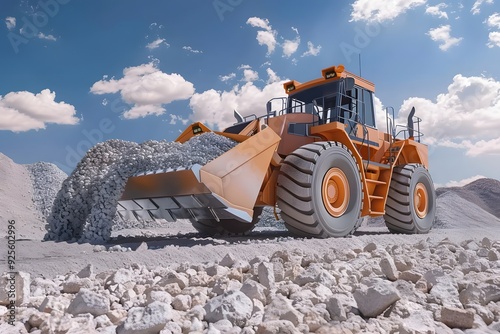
x=47 y=179
x=85 y=207
x=427 y=287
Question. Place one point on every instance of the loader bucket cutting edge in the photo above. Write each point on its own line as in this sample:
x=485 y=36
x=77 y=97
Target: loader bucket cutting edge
x=225 y=188
x=171 y=196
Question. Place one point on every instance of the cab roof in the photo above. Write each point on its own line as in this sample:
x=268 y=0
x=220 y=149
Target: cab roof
x=328 y=75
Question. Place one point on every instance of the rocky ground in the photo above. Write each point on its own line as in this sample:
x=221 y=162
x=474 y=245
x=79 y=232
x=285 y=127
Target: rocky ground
x=422 y=287
x=164 y=278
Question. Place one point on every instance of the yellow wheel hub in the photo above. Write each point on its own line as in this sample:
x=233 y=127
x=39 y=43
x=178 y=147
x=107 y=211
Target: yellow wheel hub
x=420 y=200
x=335 y=192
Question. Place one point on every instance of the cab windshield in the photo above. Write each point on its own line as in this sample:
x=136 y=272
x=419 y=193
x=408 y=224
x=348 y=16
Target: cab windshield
x=336 y=101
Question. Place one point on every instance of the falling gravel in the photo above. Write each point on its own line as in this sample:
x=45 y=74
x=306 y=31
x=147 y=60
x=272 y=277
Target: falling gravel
x=85 y=207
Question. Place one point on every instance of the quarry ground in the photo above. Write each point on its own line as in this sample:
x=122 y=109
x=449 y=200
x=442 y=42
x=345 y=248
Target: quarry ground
x=178 y=243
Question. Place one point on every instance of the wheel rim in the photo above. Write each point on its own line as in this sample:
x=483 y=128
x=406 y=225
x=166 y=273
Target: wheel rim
x=335 y=192
x=420 y=200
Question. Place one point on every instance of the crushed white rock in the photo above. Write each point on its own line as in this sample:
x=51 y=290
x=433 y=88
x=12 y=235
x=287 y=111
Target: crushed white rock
x=337 y=291
x=85 y=208
x=47 y=179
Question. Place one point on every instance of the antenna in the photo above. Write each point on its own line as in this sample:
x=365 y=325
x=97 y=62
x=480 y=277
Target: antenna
x=360 y=65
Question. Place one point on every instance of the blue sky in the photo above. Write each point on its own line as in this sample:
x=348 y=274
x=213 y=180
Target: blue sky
x=78 y=72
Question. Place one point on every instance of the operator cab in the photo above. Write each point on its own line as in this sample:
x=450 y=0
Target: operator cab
x=339 y=96
x=338 y=101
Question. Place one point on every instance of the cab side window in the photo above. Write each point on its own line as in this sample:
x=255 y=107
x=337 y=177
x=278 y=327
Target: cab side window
x=368 y=115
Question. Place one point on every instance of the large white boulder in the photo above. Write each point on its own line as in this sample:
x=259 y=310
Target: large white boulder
x=374 y=296
x=87 y=301
x=146 y=320
x=233 y=305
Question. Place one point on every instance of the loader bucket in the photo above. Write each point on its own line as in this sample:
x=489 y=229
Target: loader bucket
x=225 y=188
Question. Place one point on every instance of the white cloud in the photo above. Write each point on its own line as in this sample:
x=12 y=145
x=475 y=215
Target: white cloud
x=380 y=114
x=143 y=110
x=265 y=37
x=476 y=8
x=250 y=75
x=259 y=23
x=10 y=22
x=146 y=88
x=228 y=77
x=190 y=49
x=379 y=11
x=442 y=35
x=215 y=108
x=475 y=148
x=311 y=50
x=272 y=76
x=460 y=183
x=436 y=10
x=290 y=47
x=493 y=20
x=174 y=119
x=24 y=111
x=494 y=39
x=466 y=117
x=157 y=43
x=41 y=35
x=244 y=66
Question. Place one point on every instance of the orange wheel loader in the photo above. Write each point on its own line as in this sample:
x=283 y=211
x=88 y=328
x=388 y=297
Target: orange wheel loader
x=316 y=155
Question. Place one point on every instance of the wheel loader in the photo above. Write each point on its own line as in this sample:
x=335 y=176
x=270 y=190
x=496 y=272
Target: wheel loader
x=316 y=155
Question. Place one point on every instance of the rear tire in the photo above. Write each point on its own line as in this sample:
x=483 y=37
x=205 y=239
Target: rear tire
x=411 y=205
x=319 y=191
x=226 y=227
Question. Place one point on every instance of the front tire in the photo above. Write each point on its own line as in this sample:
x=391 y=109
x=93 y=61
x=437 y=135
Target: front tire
x=319 y=191
x=411 y=205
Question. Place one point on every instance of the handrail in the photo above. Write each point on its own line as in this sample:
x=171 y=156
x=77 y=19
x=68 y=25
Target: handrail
x=391 y=131
x=405 y=130
x=247 y=118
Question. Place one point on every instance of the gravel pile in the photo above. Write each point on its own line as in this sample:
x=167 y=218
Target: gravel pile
x=453 y=211
x=485 y=193
x=85 y=207
x=47 y=179
x=426 y=287
x=16 y=194
x=268 y=219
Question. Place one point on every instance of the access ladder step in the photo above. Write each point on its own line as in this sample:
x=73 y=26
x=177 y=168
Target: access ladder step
x=376 y=213
x=375 y=197
x=376 y=181
x=376 y=164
